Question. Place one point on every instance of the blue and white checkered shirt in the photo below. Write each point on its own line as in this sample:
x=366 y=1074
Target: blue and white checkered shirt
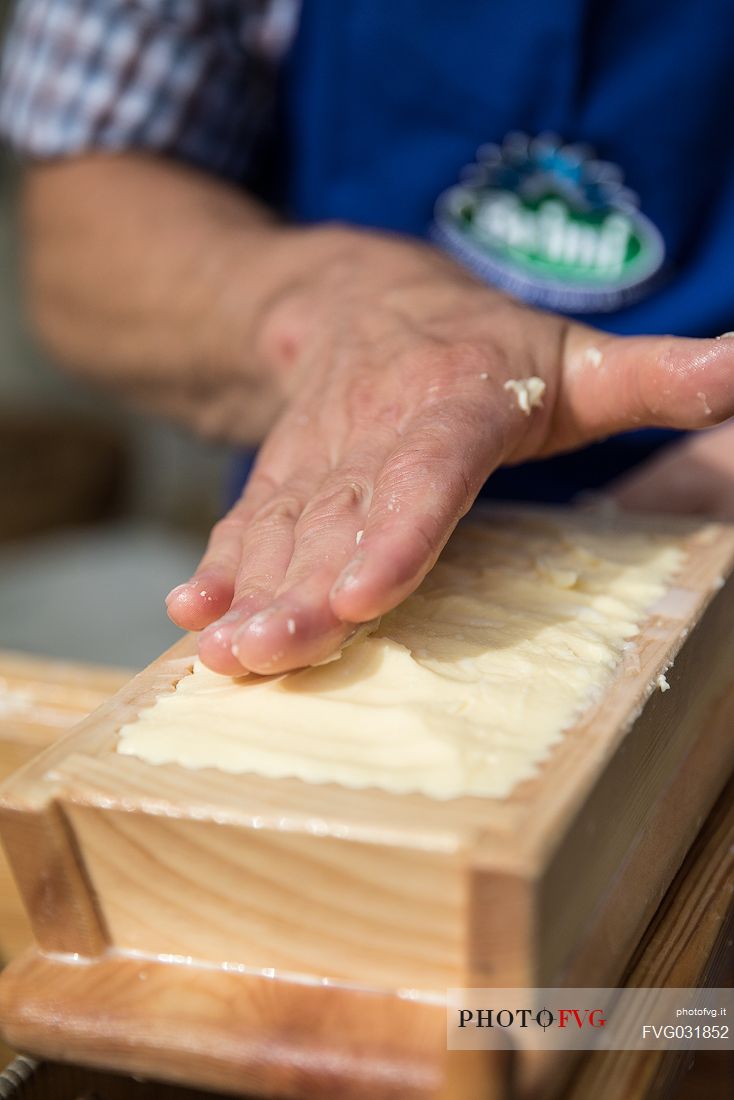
x=187 y=78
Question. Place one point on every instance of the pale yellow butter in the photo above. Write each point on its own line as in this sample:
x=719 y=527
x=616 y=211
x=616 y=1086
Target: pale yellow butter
x=462 y=690
x=528 y=392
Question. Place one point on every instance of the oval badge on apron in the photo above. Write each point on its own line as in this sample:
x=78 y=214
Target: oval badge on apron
x=551 y=224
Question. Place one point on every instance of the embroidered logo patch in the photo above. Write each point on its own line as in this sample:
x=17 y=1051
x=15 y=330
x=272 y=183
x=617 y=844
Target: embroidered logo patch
x=551 y=224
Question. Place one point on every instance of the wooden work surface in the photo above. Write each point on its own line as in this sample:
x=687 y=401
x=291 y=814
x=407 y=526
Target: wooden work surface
x=122 y=864
x=688 y=943
x=40 y=700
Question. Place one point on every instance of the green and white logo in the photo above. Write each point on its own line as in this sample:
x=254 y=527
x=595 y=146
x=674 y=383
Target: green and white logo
x=551 y=224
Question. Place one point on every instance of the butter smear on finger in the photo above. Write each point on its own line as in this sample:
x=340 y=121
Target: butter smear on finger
x=528 y=392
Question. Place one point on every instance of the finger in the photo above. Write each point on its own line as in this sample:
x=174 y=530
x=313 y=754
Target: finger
x=267 y=537
x=611 y=384
x=300 y=627
x=425 y=487
x=265 y=551
x=293 y=468
x=208 y=595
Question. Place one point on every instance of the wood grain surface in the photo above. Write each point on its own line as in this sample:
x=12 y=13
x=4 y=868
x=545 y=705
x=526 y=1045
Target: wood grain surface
x=40 y=700
x=687 y=945
x=330 y=896
x=247 y=1034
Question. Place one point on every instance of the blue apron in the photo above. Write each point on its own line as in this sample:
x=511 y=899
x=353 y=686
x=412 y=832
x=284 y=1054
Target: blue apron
x=384 y=103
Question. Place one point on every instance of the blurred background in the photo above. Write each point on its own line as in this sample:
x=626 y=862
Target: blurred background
x=102 y=510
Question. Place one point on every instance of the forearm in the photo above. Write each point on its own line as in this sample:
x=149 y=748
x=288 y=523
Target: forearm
x=158 y=281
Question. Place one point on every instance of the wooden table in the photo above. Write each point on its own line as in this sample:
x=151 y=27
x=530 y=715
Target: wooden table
x=688 y=943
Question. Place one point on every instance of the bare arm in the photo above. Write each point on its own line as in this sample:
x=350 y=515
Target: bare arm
x=694 y=476
x=156 y=280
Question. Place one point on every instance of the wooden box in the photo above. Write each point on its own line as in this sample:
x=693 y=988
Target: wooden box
x=287 y=939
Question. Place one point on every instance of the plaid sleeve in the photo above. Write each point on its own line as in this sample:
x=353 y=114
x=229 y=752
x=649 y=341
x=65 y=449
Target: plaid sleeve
x=191 y=78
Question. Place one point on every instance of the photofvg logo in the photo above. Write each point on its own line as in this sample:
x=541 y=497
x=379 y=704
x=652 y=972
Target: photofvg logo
x=551 y=224
x=530 y=1017
x=590 y=1019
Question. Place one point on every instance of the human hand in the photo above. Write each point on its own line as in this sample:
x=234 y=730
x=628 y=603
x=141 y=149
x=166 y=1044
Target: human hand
x=399 y=404
x=692 y=477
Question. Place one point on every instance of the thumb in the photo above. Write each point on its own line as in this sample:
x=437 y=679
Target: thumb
x=612 y=383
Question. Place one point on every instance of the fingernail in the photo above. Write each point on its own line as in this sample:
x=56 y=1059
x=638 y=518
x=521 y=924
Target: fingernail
x=230 y=617
x=178 y=591
x=215 y=629
x=256 y=623
x=725 y=336
x=349 y=576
